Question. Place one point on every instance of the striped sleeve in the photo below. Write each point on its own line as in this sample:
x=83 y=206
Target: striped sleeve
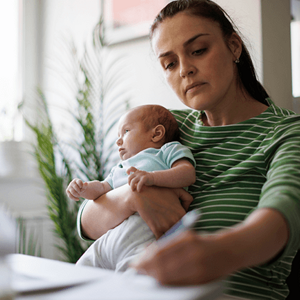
x=282 y=188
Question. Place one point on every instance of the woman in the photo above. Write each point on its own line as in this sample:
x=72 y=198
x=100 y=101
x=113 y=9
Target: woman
x=247 y=154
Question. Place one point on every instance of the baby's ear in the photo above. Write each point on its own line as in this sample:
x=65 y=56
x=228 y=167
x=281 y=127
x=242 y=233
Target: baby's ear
x=158 y=133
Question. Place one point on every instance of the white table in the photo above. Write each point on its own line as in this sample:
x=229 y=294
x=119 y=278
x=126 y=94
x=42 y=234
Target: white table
x=39 y=278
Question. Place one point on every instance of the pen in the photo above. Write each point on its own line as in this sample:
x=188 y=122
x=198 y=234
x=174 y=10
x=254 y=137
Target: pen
x=185 y=223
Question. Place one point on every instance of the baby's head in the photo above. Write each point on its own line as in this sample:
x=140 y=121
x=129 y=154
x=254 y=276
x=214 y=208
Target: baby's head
x=146 y=126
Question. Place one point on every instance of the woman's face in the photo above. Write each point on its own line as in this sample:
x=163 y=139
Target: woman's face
x=197 y=62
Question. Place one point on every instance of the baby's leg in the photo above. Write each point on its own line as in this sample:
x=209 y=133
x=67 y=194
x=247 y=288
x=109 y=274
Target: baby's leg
x=115 y=249
x=131 y=242
x=124 y=264
x=92 y=256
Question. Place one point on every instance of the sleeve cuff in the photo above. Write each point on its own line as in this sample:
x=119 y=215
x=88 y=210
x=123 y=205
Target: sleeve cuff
x=290 y=211
x=79 y=214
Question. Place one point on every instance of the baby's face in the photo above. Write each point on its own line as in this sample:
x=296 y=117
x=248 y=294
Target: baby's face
x=133 y=136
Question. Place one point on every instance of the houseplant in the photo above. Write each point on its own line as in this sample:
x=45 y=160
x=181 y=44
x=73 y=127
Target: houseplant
x=99 y=104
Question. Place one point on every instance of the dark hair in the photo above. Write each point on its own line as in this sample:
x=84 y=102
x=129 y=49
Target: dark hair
x=154 y=115
x=210 y=10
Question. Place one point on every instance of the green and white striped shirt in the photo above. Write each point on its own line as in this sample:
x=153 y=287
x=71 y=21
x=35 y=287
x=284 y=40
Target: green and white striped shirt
x=243 y=167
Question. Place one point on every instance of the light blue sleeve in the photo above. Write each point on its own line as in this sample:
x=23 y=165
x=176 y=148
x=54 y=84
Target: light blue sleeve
x=109 y=178
x=174 y=151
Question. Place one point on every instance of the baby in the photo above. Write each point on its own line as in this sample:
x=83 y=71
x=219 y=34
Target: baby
x=150 y=155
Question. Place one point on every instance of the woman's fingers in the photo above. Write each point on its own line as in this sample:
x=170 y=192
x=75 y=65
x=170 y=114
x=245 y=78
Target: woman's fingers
x=175 y=263
x=164 y=262
x=142 y=181
x=159 y=207
x=187 y=259
x=185 y=197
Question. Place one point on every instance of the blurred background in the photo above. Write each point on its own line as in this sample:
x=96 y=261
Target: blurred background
x=47 y=54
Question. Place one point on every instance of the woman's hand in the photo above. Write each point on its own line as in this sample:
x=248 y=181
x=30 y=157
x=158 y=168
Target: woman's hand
x=160 y=207
x=188 y=259
x=191 y=258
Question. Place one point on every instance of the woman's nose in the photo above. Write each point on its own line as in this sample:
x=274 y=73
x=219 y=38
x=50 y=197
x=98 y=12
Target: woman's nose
x=187 y=69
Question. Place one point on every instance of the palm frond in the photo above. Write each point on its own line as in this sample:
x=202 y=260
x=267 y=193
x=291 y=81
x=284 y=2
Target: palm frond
x=97 y=111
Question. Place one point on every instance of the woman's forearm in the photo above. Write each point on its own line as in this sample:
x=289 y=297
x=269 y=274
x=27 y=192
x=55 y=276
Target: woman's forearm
x=105 y=213
x=257 y=240
x=191 y=258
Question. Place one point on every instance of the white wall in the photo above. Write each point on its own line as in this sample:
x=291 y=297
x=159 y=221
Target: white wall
x=149 y=83
x=65 y=22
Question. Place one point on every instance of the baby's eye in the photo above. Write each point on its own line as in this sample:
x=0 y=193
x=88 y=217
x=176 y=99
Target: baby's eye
x=126 y=130
x=199 y=52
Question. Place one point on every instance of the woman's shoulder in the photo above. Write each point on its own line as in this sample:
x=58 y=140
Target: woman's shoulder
x=186 y=115
x=182 y=113
x=279 y=111
x=283 y=115
x=285 y=122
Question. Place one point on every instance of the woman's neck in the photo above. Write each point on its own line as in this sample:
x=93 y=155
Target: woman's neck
x=233 y=112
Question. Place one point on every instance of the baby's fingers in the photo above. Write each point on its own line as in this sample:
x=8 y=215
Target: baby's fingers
x=76 y=185
x=131 y=170
x=79 y=184
x=71 y=196
x=84 y=186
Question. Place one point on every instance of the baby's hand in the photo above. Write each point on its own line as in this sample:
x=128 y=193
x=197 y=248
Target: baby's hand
x=138 y=178
x=76 y=189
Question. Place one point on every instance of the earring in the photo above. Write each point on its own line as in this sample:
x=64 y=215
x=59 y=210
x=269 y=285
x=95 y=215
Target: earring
x=237 y=61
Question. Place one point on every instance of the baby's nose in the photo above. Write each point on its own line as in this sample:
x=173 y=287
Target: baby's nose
x=119 y=141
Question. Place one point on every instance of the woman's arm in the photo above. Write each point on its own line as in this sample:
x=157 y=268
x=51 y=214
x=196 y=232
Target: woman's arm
x=161 y=208
x=195 y=259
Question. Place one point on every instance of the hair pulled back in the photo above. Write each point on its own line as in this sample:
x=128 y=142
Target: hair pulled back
x=210 y=10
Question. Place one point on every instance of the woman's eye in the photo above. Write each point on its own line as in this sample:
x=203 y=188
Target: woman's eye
x=170 y=65
x=199 y=52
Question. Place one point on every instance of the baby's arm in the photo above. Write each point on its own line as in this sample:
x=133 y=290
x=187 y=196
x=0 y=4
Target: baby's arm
x=89 y=190
x=181 y=174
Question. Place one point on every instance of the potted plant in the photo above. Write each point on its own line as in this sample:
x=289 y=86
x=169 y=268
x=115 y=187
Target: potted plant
x=98 y=109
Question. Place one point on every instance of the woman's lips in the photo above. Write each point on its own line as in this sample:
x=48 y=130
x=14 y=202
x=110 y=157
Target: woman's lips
x=194 y=87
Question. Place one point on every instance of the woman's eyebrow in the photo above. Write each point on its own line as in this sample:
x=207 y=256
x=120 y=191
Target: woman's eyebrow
x=189 y=41
x=185 y=44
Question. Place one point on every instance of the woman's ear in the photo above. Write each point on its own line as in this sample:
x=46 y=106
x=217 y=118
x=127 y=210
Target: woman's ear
x=158 y=133
x=235 y=45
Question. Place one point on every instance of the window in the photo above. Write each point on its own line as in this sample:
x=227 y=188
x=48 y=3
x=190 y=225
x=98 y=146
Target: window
x=295 y=39
x=10 y=73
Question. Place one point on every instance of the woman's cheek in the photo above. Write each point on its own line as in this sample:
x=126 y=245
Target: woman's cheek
x=175 y=85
